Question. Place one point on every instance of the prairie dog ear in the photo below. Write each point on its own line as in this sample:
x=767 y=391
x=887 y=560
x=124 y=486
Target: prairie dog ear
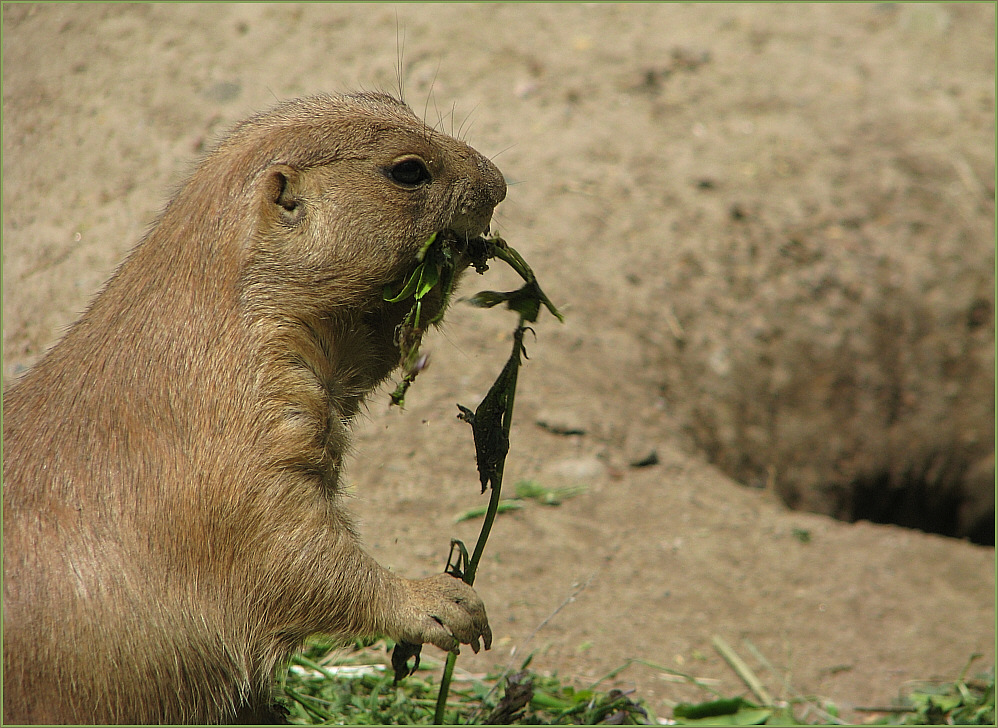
x=281 y=190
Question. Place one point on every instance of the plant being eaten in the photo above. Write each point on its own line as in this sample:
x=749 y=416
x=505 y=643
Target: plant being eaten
x=438 y=261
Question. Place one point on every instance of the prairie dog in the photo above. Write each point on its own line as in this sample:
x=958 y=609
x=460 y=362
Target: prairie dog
x=172 y=519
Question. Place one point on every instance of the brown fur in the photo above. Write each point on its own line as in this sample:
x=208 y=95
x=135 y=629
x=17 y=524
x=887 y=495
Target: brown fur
x=172 y=521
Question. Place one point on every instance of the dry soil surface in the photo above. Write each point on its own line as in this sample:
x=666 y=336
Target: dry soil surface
x=680 y=177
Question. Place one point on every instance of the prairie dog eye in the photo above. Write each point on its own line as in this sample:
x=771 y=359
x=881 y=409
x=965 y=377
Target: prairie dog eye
x=409 y=172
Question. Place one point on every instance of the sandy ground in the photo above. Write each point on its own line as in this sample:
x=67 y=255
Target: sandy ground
x=636 y=140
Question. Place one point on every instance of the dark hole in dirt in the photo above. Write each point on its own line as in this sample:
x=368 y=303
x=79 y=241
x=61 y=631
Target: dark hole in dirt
x=917 y=503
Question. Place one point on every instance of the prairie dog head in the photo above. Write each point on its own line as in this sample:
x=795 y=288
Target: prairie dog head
x=343 y=192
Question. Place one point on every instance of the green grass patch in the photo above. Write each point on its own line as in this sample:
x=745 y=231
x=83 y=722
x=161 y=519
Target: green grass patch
x=964 y=701
x=355 y=686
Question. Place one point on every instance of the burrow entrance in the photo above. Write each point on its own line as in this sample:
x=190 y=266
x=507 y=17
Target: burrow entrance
x=917 y=503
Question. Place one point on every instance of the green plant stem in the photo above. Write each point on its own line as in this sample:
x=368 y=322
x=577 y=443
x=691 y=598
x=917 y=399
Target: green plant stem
x=438 y=713
x=490 y=517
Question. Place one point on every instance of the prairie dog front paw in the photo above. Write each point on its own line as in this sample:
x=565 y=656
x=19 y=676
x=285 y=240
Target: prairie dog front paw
x=446 y=612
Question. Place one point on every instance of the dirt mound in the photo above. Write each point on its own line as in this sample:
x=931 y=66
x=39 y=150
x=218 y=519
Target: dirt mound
x=846 y=356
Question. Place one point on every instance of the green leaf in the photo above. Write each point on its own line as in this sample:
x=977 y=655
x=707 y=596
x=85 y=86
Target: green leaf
x=407 y=288
x=426 y=246
x=946 y=703
x=726 y=711
x=525 y=300
x=428 y=277
x=421 y=280
x=488 y=299
x=547 y=496
x=507 y=254
x=752 y=716
x=748 y=716
x=531 y=489
x=711 y=708
x=503 y=507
